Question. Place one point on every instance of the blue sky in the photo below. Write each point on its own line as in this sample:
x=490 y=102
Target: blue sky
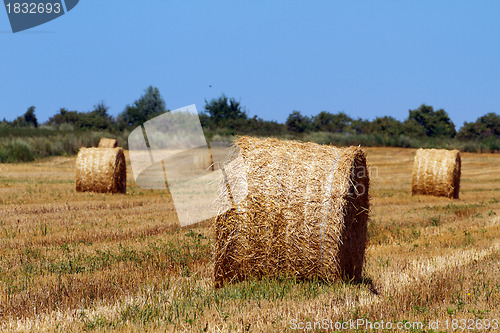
x=366 y=58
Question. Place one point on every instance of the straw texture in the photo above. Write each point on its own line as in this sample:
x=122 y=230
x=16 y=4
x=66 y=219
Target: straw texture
x=436 y=172
x=304 y=216
x=108 y=143
x=101 y=170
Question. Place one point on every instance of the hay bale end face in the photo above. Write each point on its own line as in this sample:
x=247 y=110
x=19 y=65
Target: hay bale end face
x=436 y=172
x=305 y=214
x=101 y=170
x=108 y=143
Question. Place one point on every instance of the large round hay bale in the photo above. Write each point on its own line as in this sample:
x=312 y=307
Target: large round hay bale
x=108 y=143
x=436 y=172
x=101 y=170
x=304 y=215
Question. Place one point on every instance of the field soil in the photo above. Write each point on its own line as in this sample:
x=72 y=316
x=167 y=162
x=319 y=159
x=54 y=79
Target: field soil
x=85 y=261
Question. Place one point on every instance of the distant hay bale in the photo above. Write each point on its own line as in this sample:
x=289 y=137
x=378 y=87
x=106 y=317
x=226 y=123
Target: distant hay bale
x=101 y=170
x=305 y=214
x=436 y=172
x=108 y=143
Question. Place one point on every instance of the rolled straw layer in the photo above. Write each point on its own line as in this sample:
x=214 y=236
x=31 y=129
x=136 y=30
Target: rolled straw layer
x=436 y=172
x=305 y=213
x=101 y=170
x=108 y=143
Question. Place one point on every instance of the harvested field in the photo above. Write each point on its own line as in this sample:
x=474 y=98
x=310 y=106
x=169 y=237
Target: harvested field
x=92 y=261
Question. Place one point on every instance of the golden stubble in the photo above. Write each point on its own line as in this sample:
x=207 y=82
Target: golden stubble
x=87 y=261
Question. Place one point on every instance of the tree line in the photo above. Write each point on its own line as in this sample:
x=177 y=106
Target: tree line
x=224 y=116
x=423 y=121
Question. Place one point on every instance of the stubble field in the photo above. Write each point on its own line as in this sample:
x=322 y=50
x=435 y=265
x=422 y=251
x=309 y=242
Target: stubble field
x=86 y=261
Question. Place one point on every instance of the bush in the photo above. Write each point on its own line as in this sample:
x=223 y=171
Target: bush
x=17 y=150
x=66 y=127
x=492 y=144
x=4 y=155
x=21 y=151
x=25 y=145
x=404 y=142
x=470 y=147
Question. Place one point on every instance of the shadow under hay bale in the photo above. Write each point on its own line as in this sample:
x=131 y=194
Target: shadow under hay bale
x=305 y=214
x=436 y=172
x=108 y=143
x=101 y=170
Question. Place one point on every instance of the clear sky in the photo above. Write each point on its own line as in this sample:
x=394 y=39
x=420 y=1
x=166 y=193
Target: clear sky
x=366 y=58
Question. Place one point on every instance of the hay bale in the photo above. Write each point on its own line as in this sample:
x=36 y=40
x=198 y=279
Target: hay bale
x=101 y=170
x=436 y=172
x=108 y=143
x=304 y=215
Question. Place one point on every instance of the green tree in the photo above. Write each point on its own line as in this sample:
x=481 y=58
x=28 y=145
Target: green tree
x=413 y=128
x=30 y=117
x=386 y=125
x=359 y=126
x=148 y=106
x=435 y=123
x=152 y=104
x=65 y=117
x=5 y=124
x=223 y=110
x=261 y=127
x=298 y=123
x=27 y=120
x=328 y=122
x=97 y=119
x=484 y=127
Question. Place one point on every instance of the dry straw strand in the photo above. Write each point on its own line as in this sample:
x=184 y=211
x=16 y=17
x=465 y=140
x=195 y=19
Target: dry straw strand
x=108 y=143
x=436 y=172
x=101 y=170
x=304 y=216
